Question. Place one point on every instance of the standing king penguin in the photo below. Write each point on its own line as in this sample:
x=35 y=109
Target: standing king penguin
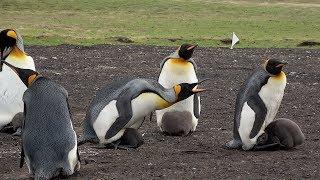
x=257 y=104
x=182 y=117
x=11 y=87
x=49 y=143
x=120 y=108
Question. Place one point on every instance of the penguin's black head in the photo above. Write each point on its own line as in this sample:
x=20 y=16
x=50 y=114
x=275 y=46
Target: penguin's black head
x=26 y=75
x=185 y=90
x=8 y=39
x=186 y=51
x=273 y=66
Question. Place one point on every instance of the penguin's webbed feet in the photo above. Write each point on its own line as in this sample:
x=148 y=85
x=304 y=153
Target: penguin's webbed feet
x=233 y=144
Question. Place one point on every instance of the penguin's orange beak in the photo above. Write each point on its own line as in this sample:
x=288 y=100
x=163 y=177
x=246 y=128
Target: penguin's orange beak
x=196 y=90
x=282 y=64
x=191 y=47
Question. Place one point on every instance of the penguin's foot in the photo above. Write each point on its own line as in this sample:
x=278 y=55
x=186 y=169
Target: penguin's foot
x=102 y=146
x=233 y=144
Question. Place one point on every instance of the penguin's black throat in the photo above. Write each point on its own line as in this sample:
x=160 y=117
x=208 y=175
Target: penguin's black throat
x=27 y=76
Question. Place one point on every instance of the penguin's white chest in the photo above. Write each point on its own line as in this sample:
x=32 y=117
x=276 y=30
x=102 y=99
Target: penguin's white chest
x=174 y=73
x=142 y=106
x=272 y=94
x=12 y=88
x=11 y=92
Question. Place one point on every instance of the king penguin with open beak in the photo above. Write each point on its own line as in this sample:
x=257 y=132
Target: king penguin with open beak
x=257 y=104
x=118 y=110
x=11 y=87
x=182 y=117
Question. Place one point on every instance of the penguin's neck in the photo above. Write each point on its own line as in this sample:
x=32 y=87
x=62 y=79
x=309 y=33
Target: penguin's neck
x=281 y=77
x=179 y=62
x=16 y=55
x=153 y=99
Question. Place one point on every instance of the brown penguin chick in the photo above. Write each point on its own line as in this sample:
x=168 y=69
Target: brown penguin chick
x=287 y=131
x=131 y=138
x=177 y=123
x=280 y=134
x=14 y=127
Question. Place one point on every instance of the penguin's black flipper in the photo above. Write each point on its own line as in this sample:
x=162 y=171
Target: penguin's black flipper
x=124 y=108
x=257 y=105
x=196 y=105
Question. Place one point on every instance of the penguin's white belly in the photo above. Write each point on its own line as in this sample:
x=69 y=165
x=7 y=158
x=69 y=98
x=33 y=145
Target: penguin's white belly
x=106 y=118
x=11 y=92
x=73 y=156
x=271 y=94
x=142 y=106
x=170 y=77
x=246 y=123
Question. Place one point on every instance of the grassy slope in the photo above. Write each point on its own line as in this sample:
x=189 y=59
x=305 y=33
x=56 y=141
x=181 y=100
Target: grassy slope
x=268 y=24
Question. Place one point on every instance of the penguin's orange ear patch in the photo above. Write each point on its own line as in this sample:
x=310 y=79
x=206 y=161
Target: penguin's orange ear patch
x=177 y=89
x=12 y=34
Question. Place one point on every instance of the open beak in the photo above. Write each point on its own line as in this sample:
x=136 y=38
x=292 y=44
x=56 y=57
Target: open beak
x=196 y=90
x=282 y=64
x=191 y=47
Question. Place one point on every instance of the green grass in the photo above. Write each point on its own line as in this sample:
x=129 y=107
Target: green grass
x=205 y=22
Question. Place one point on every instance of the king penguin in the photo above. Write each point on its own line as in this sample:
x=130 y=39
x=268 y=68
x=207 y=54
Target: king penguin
x=182 y=117
x=119 y=109
x=257 y=104
x=11 y=87
x=49 y=142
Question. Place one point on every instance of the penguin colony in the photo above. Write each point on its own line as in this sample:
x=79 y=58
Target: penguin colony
x=49 y=142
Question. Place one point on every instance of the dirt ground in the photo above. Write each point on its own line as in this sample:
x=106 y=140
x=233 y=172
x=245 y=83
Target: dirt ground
x=83 y=70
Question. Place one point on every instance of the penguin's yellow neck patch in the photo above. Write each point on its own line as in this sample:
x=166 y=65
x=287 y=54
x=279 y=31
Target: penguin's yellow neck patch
x=16 y=53
x=31 y=79
x=280 y=77
x=179 y=62
x=161 y=103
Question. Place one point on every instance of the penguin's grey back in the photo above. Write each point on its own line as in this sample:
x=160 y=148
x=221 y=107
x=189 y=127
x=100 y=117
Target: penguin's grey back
x=48 y=134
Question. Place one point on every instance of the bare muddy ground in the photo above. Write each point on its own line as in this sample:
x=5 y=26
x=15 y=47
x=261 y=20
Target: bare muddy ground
x=83 y=70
